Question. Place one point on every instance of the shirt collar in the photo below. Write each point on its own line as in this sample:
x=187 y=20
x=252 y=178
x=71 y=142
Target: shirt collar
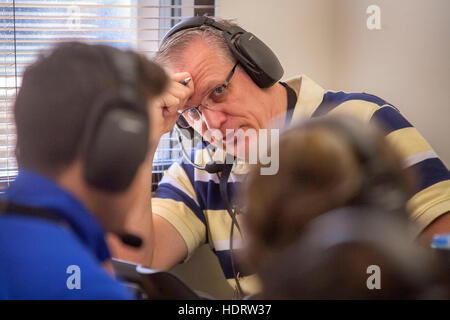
x=309 y=98
x=33 y=189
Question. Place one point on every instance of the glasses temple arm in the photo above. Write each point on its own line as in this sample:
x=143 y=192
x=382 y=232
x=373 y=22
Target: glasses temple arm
x=227 y=81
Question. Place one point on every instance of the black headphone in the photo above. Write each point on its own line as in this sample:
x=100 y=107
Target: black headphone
x=257 y=59
x=116 y=137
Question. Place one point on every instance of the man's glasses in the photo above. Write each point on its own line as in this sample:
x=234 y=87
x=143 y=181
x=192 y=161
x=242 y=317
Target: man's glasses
x=217 y=95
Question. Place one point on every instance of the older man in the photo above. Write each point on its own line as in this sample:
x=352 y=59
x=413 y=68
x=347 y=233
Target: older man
x=234 y=87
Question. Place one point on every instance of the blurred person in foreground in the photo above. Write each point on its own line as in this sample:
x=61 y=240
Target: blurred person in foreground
x=334 y=214
x=76 y=107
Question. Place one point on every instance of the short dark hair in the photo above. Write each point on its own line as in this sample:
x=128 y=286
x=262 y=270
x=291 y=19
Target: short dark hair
x=57 y=93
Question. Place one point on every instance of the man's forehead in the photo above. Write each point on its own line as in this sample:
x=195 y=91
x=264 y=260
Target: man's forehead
x=200 y=55
x=206 y=66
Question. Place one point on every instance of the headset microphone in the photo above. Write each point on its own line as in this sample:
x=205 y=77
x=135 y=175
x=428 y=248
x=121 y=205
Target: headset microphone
x=131 y=240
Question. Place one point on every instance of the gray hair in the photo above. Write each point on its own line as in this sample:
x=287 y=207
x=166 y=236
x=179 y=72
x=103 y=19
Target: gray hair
x=171 y=50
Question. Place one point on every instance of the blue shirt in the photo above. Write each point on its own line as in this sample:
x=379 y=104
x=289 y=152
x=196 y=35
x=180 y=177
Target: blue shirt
x=41 y=259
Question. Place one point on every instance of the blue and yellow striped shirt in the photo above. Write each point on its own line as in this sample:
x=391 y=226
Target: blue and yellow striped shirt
x=190 y=199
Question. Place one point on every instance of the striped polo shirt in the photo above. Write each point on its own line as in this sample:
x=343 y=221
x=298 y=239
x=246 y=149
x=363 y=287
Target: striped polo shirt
x=190 y=198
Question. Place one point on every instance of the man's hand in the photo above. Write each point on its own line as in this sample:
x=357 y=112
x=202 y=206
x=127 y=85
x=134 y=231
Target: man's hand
x=164 y=109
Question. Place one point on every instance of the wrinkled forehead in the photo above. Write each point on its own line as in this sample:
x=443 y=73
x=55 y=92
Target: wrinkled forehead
x=199 y=47
x=206 y=65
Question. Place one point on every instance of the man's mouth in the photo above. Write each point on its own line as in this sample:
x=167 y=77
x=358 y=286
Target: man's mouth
x=228 y=138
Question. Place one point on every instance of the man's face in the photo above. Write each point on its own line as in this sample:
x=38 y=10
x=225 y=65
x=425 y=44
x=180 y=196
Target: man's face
x=242 y=105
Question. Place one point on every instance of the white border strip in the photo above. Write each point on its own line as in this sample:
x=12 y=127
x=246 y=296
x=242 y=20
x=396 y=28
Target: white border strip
x=418 y=157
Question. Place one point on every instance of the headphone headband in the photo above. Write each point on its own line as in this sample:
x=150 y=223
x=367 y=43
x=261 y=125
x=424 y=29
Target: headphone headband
x=255 y=57
x=116 y=137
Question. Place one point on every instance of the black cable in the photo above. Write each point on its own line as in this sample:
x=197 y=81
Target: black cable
x=223 y=181
x=225 y=170
x=233 y=265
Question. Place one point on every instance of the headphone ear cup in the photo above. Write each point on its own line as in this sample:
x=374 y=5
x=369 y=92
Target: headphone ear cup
x=116 y=148
x=257 y=59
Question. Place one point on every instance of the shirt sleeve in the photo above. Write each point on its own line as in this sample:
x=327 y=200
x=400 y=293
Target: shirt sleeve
x=432 y=196
x=175 y=200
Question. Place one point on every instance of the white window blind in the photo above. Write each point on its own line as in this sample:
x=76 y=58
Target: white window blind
x=30 y=27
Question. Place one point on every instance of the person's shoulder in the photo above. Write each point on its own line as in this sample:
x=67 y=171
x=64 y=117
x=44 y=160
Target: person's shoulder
x=357 y=104
x=339 y=97
x=41 y=260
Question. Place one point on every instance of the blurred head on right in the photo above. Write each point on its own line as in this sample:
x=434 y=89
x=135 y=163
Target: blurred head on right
x=299 y=247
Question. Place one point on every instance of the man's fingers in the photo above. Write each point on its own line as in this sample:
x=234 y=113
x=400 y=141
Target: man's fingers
x=164 y=110
x=180 y=76
x=170 y=100
x=188 y=89
x=177 y=94
x=170 y=112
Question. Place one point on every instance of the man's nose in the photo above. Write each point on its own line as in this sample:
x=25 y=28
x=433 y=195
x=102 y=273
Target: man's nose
x=214 y=119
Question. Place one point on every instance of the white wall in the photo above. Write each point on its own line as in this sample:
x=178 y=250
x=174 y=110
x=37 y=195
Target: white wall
x=406 y=62
x=298 y=31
